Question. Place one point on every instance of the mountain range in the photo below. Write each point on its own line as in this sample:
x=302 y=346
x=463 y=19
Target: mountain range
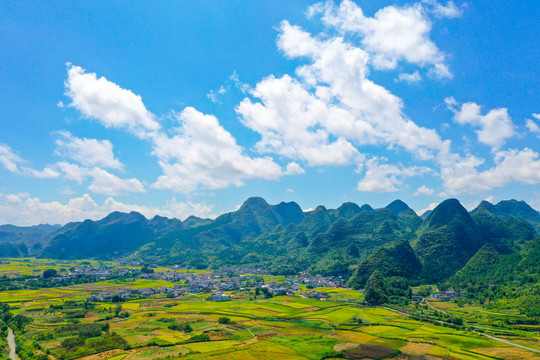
x=448 y=243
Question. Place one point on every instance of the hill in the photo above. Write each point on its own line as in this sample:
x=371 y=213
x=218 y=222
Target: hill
x=117 y=234
x=448 y=246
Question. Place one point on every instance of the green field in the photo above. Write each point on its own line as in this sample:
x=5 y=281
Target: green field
x=64 y=326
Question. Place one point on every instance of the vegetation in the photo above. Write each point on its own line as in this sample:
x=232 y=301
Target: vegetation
x=482 y=268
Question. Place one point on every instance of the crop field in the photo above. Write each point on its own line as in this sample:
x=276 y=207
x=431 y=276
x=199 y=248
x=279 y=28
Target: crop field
x=64 y=324
x=31 y=266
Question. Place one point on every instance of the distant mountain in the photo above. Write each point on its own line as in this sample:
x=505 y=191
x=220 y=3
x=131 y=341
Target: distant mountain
x=514 y=209
x=348 y=210
x=426 y=213
x=115 y=235
x=397 y=206
x=31 y=238
x=366 y=207
x=194 y=221
x=449 y=245
x=500 y=230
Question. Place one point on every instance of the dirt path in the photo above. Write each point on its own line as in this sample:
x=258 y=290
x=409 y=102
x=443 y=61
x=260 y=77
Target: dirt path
x=434 y=308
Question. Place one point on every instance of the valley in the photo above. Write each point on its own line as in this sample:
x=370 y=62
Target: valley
x=274 y=282
x=64 y=323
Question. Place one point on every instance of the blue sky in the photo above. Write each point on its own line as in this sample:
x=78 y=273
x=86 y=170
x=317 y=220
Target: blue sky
x=191 y=107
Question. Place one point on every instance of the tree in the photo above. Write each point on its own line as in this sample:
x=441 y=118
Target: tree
x=376 y=292
x=224 y=320
x=49 y=273
x=147 y=270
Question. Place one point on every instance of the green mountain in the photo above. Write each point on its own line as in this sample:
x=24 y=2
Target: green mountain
x=514 y=209
x=447 y=239
x=26 y=240
x=117 y=234
x=397 y=206
x=395 y=259
x=513 y=277
x=449 y=246
x=222 y=238
x=499 y=230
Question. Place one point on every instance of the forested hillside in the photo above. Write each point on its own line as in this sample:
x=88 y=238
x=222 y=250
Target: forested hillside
x=492 y=244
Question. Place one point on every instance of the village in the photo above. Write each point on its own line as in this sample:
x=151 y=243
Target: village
x=220 y=283
x=216 y=283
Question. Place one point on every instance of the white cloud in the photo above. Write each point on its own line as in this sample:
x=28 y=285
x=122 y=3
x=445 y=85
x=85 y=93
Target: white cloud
x=410 y=78
x=424 y=190
x=21 y=209
x=495 y=127
x=391 y=35
x=332 y=107
x=294 y=168
x=9 y=159
x=460 y=175
x=289 y=120
x=67 y=191
x=103 y=182
x=11 y=162
x=73 y=172
x=533 y=126
x=47 y=173
x=449 y=10
x=430 y=207
x=108 y=103
x=386 y=177
x=106 y=183
x=88 y=152
x=205 y=154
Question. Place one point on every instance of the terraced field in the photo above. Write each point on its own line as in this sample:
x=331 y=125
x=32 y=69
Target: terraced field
x=65 y=325
x=285 y=327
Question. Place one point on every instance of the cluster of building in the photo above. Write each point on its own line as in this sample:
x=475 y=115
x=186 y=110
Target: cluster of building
x=128 y=293
x=447 y=295
x=216 y=283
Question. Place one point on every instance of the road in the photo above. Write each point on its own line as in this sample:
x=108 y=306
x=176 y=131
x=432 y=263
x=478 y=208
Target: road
x=476 y=332
x=12 y=347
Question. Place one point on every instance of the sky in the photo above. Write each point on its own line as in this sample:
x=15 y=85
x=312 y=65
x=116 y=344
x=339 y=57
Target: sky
x=190 y=107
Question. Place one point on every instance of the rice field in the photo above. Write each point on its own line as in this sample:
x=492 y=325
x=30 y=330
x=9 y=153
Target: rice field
x=283 y=327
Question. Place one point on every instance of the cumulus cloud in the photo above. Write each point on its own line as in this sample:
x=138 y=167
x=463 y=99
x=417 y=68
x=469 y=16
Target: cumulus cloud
x=289 y=120
x=391 y=35
x=205 y=154
x=294 y=168
x=495 y=127
x=424 y=190
x=106 y=183
x=23 y=210
x=88 y=152
x=105 y=101
x=103 y=182
x=461 y=176
x=386 y=177
x=331 y=108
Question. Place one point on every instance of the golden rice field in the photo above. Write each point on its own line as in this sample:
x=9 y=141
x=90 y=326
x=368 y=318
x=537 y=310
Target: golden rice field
x=283 y=327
